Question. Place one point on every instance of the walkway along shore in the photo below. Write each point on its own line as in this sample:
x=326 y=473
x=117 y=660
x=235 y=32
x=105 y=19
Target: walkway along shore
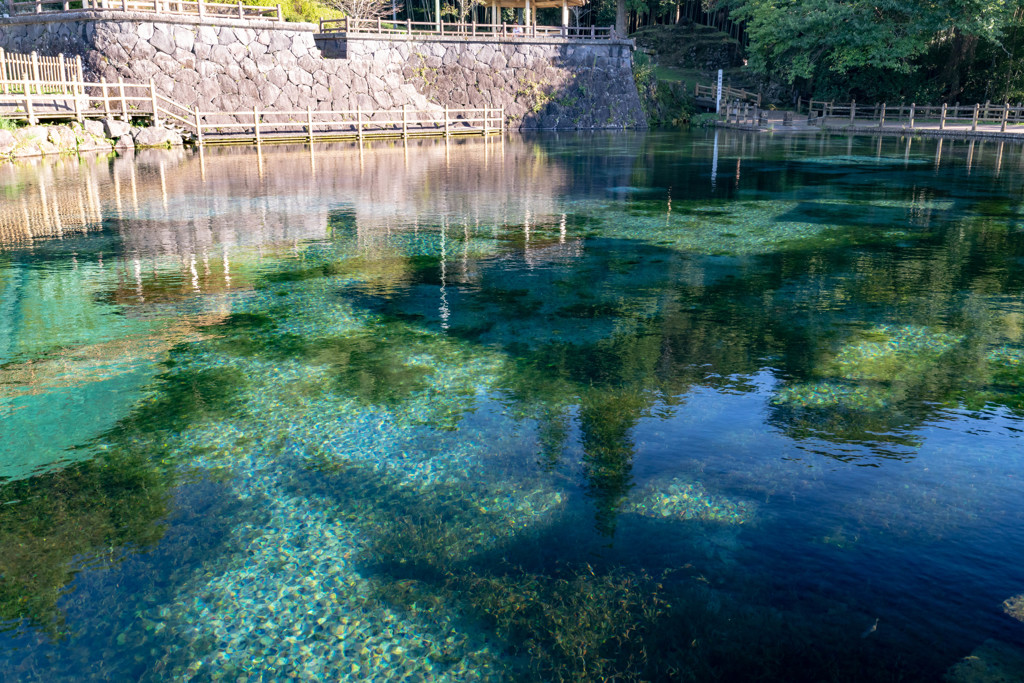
x=975 y=121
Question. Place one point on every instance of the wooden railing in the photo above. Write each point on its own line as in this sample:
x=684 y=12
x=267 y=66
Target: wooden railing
x=80 y=100
x=349 y=25
x=911 y=115
x=310 y=126
x=201 y=8
x=728 y=94
x=51 y=74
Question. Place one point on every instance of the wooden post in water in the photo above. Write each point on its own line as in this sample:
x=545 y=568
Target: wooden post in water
x=152 y=97
x=124 y=100
x=881 y=117
x=942 y=117
x=256 y=125
x=913 y=108
x=405 y=122
x=1006 y=115
x=309 y=123
x=359 y=123
x=974 y=121
x=853 y=111
x=446 y=133
x=199 y=125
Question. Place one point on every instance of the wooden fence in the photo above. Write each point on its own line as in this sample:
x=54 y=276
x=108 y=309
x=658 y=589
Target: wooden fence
x=967 y=116
x=728 y=94
x=310 y=126
x=50 y=74
x=201 y=8
x=349 y=25
x=79 y=100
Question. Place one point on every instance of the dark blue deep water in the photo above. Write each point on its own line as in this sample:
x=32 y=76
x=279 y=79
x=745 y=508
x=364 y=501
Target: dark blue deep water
x=618 y=407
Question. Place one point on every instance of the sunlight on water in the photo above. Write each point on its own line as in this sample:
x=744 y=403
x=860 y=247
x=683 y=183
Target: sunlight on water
x=568 y=408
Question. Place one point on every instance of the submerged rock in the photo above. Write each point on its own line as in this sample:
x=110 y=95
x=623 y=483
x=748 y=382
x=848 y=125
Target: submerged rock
x=992 y=662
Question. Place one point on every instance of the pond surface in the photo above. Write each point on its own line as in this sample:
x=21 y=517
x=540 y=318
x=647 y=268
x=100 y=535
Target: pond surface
x=565 y=408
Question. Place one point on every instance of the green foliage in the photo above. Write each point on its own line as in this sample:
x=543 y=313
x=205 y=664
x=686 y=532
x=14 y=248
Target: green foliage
x=664 y=102
x=835 y=47
x=308 y=11
x=8 y=124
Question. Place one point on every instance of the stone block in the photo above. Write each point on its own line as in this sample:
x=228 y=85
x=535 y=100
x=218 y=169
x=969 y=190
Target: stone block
x=162 y=39
x=299 y=77
x=115 y=129
x=142 y=51
x=278 y=76
x=222 y=56
x=95 y=127
x=207 y=35
x=7 y=142
x=184 y=38
x=227 y=84
x=144 y=30
x=238 y=52
x=226 y=36
x=280 y=41
x=124 y=145
x=156 y=137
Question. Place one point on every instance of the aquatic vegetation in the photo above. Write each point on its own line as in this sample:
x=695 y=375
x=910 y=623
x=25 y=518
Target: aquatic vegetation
x=1014 y=607
x=689 y=500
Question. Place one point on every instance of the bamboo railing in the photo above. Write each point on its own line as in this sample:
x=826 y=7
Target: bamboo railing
x=349 y=25
x=201 y=8
x=52 y=74
x=728 y=94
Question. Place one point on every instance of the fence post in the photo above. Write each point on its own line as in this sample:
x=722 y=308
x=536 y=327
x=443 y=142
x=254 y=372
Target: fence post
x=359 y=123
x=199 y=125
x=881 y=117
x=799 y=103
x=280 y=14
x=241 y=10
x=28 y=102
x=985 y=117
x=63 y=74
x=405 y=123
x=942 y=117
x=106 y=98
x=446 y=134
x=124 y=100
x=309 y=122
x=35 y=66
x=913 y=111
x=853 y=110
x=152 y=97
x=503 y=119
x=78 y=108
x=1006 y=115
x=3 y=70
x=974 y=121
x=202 y=12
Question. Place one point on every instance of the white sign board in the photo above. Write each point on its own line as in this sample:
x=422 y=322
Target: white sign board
x=718 y=94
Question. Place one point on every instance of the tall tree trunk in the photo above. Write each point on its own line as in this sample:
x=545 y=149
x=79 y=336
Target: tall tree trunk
x=620 y=18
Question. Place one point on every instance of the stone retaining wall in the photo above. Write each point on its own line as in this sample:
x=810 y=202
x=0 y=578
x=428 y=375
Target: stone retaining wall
x=233 y=65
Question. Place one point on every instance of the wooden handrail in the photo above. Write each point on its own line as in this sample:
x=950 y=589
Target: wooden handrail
x=202 y=8
x=351 y=25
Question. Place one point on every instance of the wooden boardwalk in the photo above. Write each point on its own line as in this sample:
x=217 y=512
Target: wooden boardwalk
x=52 y=97
x=993 y=121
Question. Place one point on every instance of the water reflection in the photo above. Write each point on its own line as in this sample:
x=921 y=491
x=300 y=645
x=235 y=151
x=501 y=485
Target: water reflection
x=521 y=381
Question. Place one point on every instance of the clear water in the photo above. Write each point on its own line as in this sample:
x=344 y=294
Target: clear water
x=565 y=408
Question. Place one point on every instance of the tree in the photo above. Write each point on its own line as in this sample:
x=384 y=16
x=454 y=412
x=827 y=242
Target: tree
x=367 y=9
x=860 y=44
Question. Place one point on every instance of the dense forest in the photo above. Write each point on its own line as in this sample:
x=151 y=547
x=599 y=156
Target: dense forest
x=941 y=50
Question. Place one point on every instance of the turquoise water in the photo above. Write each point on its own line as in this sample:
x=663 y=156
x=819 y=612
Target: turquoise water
x=564 y=408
